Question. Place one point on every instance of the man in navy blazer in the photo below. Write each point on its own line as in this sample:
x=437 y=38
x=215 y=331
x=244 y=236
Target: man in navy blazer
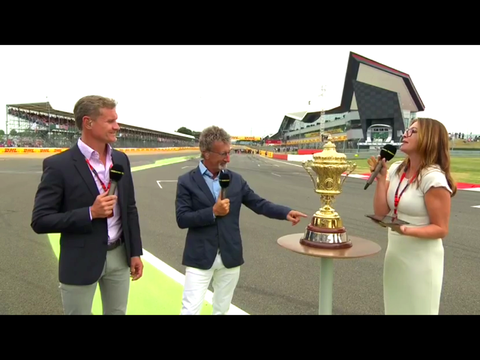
x=213 y=246
x=100 y=242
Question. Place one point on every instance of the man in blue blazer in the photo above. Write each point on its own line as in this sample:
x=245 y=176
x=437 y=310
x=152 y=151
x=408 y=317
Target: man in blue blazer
x=100 y=242
x=213 y=246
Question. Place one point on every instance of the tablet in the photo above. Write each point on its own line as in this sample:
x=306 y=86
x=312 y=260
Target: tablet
x=386 y=220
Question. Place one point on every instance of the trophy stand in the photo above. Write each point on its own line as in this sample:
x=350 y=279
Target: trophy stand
x=360 y=248
x=326 y=237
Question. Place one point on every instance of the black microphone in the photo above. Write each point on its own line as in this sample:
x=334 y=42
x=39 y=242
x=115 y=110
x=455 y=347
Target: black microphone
x=224 y=180
x=116 y=173
x=387 y=153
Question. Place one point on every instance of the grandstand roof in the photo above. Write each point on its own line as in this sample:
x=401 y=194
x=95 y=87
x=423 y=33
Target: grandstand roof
x=46 y=108
x=364 y=70
x=43 y=107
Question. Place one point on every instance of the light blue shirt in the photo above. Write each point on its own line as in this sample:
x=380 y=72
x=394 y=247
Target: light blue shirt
x=213 y=184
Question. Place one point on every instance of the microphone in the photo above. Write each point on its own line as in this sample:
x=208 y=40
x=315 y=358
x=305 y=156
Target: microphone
x=116 y=173
x=387 y=153
x=224 y=180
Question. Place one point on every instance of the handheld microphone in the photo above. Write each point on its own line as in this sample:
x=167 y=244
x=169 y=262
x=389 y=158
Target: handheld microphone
x=224 y=180
x=116 y=173
x=387 y=153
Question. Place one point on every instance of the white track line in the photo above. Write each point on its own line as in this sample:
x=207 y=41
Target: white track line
x=160 y=181
x=180 y=278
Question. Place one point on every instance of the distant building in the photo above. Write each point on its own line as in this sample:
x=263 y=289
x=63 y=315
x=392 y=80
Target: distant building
x=377 y=105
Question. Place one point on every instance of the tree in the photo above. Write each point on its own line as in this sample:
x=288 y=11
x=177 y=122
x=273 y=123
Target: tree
x=184 y=130
x=187 y=131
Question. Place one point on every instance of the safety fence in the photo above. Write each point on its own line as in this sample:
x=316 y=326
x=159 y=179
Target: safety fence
x=288 y=157
x=18 y=150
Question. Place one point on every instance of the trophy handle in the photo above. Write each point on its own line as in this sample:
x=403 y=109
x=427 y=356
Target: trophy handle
x=350 y=169
x=307 y=166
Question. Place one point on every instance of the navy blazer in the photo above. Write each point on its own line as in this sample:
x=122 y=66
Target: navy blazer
x=66 y=190
x=206 y=234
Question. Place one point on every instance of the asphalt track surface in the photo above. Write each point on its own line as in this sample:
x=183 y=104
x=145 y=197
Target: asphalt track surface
x=273 y=280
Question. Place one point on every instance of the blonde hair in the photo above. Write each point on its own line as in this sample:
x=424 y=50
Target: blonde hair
x=90 y=106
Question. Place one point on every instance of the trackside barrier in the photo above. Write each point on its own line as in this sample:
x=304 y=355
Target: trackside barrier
x=9 y=150
x=288 y=157
x=299 y=158
x=156 y=149
x=12 y=150
x=280 y=156
x=308 y=151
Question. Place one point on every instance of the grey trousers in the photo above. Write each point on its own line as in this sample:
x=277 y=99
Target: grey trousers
x=114 y=288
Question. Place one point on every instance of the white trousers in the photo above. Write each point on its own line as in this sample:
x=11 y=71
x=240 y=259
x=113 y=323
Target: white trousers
x=196 y=286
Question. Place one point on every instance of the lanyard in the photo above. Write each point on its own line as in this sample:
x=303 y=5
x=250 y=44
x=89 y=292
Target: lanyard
x=96 y=175
x=398 y=197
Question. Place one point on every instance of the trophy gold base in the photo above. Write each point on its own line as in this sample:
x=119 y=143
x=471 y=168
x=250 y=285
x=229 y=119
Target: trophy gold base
x=325 y=238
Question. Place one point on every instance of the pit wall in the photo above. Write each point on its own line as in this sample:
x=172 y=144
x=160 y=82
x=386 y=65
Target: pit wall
x=5 y=150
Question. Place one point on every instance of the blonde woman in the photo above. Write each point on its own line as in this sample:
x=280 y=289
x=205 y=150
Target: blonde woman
x=417 y=190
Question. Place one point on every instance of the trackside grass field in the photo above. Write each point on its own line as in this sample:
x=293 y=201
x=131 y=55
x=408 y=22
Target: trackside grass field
x=464 y=170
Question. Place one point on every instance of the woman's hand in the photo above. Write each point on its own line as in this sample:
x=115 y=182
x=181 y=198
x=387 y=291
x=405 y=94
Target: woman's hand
x=401 y=229
x=372 y=163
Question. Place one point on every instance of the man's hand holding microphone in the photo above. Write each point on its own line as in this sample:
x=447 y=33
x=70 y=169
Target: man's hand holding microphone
x=103 y=206
x=104 y=203
x=221 y=207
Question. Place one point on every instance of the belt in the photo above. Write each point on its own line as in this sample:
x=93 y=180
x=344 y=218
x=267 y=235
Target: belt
x=116 y=243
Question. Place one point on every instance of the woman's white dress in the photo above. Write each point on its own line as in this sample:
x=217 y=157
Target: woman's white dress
x=413 y=268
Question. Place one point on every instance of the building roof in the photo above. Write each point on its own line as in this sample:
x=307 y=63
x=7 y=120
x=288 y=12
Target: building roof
x=371 y=72
x=46 y=108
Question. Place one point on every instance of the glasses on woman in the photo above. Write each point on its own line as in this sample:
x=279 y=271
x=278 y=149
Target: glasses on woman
x=409 y=132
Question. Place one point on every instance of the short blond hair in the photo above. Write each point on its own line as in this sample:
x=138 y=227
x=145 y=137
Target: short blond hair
x=90 y=106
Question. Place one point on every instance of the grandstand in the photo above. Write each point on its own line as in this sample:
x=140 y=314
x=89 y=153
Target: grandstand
x=39 y=125
x=246 y=140
x=378 y=103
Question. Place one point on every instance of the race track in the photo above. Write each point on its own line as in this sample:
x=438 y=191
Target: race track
x=273 y=280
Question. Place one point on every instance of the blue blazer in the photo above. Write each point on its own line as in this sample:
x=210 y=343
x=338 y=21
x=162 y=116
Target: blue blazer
x=206 y=234
x=66 y=190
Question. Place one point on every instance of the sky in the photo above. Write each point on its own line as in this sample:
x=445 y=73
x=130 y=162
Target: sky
x=245 y=89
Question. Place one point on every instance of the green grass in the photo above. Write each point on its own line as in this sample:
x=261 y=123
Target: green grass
x=154 y=294
x=464 y=170
x=459 y=145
